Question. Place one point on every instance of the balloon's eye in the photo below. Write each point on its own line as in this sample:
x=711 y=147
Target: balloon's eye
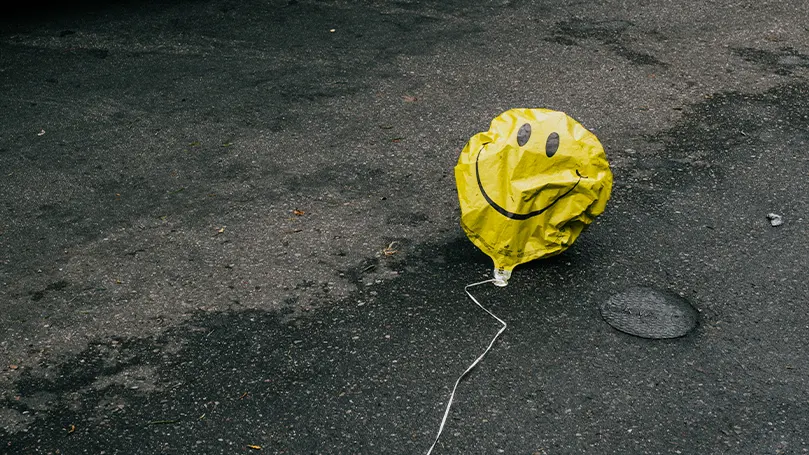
x=524 y=134
x=552 y=144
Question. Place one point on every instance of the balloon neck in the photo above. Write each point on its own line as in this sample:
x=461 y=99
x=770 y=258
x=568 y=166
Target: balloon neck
x=501 y=277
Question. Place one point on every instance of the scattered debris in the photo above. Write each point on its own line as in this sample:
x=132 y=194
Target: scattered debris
x=13 y=367
x=390 y=250
x=220 y=231
x=244 y=395
x=254 y=447
x=41 y=133
x=775 y=219
x=409 y=99
x=297 y=212
x=71 y=428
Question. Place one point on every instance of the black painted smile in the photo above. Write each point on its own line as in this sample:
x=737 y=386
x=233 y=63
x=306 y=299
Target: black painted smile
x=513 y=215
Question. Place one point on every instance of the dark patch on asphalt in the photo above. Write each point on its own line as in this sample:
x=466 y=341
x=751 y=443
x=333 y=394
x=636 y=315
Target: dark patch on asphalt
x=729 y=131
x=614 y=34
x=96 y=361
x=226 y=380
x=57 y=286
x=781 y=62
x=369 y=374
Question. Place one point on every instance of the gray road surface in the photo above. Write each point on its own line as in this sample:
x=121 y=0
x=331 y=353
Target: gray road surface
x=196 y=196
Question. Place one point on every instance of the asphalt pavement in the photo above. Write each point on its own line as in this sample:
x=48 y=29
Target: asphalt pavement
x=232 y=227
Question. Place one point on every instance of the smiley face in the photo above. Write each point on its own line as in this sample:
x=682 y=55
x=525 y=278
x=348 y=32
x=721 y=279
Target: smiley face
x=551 y=146
x=534 y=167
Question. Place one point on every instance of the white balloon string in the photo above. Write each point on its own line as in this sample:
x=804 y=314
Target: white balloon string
x=463 y=375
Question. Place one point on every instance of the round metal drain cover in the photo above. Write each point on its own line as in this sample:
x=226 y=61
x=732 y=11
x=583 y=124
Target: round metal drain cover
x=649 y=313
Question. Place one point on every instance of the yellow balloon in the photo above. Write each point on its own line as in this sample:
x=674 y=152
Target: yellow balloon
x=530 y=185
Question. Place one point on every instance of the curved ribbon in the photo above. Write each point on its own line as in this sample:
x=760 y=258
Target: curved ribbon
x=480 y=357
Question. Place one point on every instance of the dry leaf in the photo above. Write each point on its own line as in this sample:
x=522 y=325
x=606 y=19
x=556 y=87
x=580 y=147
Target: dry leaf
x=71 y=429
x=13 y=367
x=409 y=99
x=391 y=249
x=297 y=212
x=254 y=447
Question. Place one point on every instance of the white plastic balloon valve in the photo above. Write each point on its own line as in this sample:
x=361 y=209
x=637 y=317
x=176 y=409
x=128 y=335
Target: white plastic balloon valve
x=501 y=277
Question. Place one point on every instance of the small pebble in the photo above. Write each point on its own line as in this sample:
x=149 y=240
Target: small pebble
x=775 y=219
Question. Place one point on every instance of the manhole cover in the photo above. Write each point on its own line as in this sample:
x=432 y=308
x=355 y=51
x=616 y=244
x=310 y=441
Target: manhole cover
x=649 y=313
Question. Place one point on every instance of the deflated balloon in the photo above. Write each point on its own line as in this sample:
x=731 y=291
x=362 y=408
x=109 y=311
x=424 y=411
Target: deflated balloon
x=530 y=185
